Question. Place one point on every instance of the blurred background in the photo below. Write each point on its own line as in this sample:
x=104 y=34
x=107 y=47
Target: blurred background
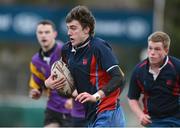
x=125 y=24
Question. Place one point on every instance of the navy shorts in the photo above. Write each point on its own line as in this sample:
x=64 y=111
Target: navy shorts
x=165 y=122
x=64 y=120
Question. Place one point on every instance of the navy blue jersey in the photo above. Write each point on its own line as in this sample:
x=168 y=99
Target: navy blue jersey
x=162 y=95
x=88 y=66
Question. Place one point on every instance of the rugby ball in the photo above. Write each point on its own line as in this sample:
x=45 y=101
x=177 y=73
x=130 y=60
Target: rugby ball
x=59 y=70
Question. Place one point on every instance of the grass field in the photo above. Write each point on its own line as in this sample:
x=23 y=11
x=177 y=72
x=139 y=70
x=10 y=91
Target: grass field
x=20 y=111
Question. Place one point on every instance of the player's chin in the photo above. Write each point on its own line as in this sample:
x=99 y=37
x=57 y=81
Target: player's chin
x=74 y=43
x=45 y=44
x=153 y=61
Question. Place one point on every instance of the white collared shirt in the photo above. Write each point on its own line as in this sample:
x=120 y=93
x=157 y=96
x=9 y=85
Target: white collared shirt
x=155 y=74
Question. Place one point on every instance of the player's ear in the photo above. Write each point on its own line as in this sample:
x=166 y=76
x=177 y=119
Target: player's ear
x=86 y=30
x=55 y=34
x=166 y=50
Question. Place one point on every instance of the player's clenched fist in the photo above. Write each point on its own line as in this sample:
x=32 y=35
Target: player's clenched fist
x=35 y=94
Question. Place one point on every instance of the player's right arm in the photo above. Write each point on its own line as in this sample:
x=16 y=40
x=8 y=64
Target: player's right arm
x=36 y=82
x=135 y=107
x=134 y=94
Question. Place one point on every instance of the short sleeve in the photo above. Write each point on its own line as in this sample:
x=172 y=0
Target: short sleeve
x=134 y=90
x=105 y=55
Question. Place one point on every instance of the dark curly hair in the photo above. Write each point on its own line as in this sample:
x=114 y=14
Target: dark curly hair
x=84 y=16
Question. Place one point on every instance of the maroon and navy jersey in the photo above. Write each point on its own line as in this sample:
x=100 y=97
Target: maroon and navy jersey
x=40 y=70
x=161 y=96
x=89 y=67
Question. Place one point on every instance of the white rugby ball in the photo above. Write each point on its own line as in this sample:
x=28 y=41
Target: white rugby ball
x=59 y=70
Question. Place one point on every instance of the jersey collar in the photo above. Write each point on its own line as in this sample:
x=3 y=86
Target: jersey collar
x=82 y=45
x=155 y=75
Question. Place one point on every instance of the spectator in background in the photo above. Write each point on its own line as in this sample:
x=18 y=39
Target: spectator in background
x=97 y=76
x=158 y=79
x=58 y=110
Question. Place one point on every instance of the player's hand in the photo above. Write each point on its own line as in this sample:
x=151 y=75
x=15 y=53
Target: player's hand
x=85 y=97
x=144 y=119
x=54 y=83
x=69 y=104
x=34 y=94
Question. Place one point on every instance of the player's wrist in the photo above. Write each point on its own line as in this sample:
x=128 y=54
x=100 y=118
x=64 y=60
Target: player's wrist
x=97 y=96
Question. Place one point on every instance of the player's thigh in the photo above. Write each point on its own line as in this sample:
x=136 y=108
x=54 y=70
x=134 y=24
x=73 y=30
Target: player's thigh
x=112 y=118
x=79 y=122
x=54 y=118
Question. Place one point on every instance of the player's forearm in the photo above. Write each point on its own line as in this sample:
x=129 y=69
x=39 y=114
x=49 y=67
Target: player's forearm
x=135 y=107
x=117 y=81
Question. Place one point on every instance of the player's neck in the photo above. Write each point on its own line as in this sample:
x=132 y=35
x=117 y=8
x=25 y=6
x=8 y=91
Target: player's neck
x=49 y=47
x=49 y=51
x=83 y=43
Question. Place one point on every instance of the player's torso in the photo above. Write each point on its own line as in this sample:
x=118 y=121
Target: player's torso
x=85 y=66
x=43 y=63
x=164 y=82
x=80 y=65
x=161 y=95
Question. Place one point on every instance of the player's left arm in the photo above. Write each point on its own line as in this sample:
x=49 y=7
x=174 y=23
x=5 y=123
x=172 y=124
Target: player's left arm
x=117 y=80
x=107 y=61
x=110 y=64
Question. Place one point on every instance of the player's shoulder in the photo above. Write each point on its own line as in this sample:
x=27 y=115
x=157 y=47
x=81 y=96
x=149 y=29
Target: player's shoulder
x=141 y=66
x=174 y=59
x=99 y=43
x=59 y=44
x=35 y=57
x=67 y=46
x=176 y=62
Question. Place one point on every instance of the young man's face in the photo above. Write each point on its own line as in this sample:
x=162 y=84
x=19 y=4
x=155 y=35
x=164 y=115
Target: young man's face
x=45 y=35
x=76 y=33
x=156 y=53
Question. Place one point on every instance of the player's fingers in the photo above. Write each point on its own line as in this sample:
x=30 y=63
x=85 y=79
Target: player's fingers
x=34 y=95
x=58 y=82
x=147 y=119
x=61 y=81
x=87 y=98
x=143 y=124
x=55 y=84
x=82 y=98
x=79 y=97
x=59 y=86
